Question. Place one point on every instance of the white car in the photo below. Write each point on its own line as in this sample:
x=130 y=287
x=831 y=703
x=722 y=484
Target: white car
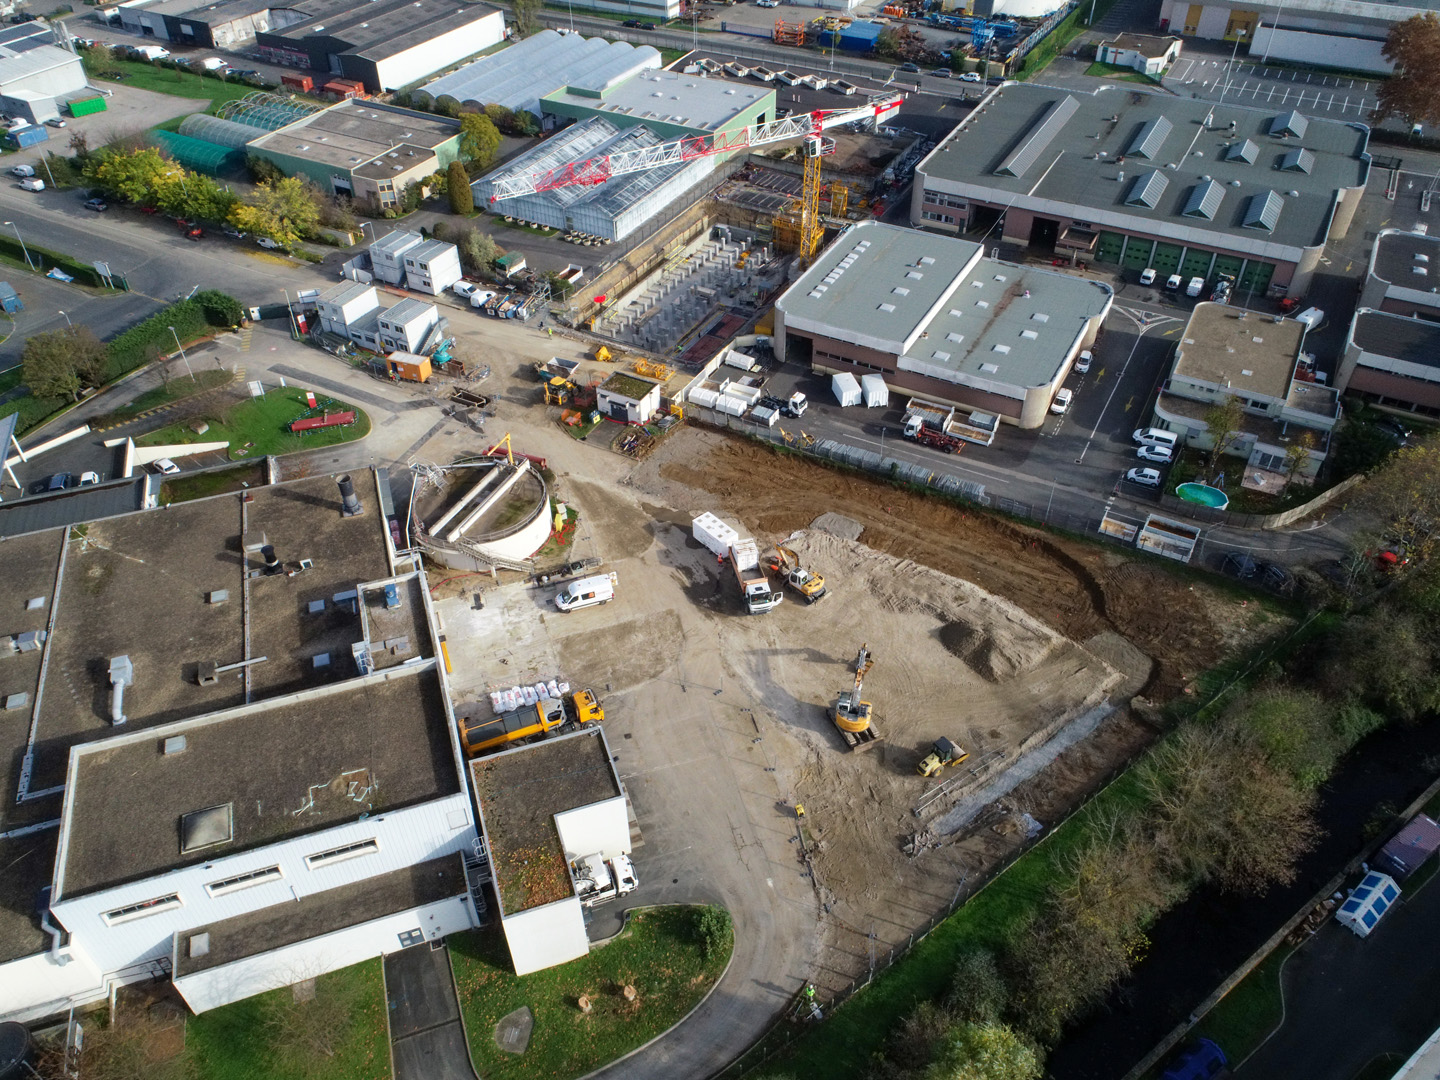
x=266 y=242
x=1173 y=282
x=33 y=183
x=970 y=76
x=1147 y=276
x=88 y=478
x=480 y=297
x=767 y=3
x=1196 y=286
x=1161 y=455
x=1062 y=401
x=1144 y=477
x=1082 y=362
x=166 y=467
x=23 y=171
x=464 y=289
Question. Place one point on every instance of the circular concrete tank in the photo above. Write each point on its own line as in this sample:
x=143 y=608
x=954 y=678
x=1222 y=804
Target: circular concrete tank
x=493 y=511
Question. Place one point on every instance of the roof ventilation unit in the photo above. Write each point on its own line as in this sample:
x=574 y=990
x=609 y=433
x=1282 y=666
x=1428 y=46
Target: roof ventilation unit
x=349 y=501
x=122 y=674
x=273 y=565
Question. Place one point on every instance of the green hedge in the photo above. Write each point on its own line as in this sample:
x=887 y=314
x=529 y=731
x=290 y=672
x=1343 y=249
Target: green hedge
x=130 y=350
x=45 y=259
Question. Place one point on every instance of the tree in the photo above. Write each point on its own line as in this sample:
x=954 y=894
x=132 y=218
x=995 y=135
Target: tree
x=978 y=992
x=462 y=199
x=501 y=117
x=59 y=362
x=479 y=251
x=479 y=139
x=99 y=60
x=411 y=196
x=1413 y=46
x=262 y=169
x=437 y=184
x=306 y=1034
x=1297 y=456
x=986 y=1052
x=283 y=210
x=525 y=12
x=1405 y=495
x=80 y=146
x=888 y=44
x=1223 y=422
x=142 y=175
x=199 y=197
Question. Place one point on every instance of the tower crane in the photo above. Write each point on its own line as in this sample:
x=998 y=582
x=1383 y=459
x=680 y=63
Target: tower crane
x=808 y=127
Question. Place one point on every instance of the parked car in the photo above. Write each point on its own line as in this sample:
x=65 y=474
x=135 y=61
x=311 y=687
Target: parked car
x=914 y=68
x=268 y=244
x=1144 y=477
x=1196 y=286
x=995 y=80
x=1147 y=276
x=1161 y=455
x=234 y=233
x=98 y=205
x=1173 y=282
x=1083 y=361
x=88 y=478
x=1392 y=427
x=55 y=122
x=634 y=24
x=59 y=482
x=166 y=467
x=1062 y=400
x=248 y=73
x=33 y=183
x=464 y=289
x=970 y=76
x=23 y=170
x=942 y=73
x=195 y=232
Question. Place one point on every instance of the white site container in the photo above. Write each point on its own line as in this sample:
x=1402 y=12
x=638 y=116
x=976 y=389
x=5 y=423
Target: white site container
x=748 y=394
x=701 y=396
x=714 y=534
x=746 y=553
x=845 y=388
x=876 y=393
x=731 y=406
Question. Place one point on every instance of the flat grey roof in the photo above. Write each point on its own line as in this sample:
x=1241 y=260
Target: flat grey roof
x=1398 y=255
x=519 y=792
x=21 y=62
x=407 y=310
x=350 y=133
x=125 y=797
x=344 y=292
x=1416 y=341
x=29 y=863
x=519 y=75
x=376 y=29
x=1058 y=172
x=670 y=97
x=1251 y=355
x=393 y=244
x=139 y=586
x=428 y=250
x=71 y=507
x=322 y=913
x=398 y=159
x=210 y=14
x=851 y=290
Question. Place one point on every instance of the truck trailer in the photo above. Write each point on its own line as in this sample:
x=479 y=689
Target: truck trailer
x=755 y=587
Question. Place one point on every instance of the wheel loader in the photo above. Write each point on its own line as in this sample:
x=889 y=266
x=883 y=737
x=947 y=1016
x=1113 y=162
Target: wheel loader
x=944 y=754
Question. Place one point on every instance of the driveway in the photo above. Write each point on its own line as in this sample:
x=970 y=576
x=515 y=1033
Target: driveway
x=1349 y=1000
x=426 y=1038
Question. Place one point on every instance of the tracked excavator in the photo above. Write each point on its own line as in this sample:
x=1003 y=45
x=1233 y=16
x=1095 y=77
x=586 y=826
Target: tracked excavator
x=787 y=564
x=853 y=717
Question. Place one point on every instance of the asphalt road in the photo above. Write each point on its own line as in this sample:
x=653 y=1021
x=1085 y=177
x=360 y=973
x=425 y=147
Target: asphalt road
x=1349 y=1000
x=426 y=1038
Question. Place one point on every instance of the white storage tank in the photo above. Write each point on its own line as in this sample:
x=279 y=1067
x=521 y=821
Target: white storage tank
x=876 y=393
x=845 y=389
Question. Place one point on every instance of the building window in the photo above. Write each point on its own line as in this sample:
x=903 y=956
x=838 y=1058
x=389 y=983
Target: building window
x=1272 y=462
x=930 y=215
x=142 y=909
x=243 y=881
x=340 y=854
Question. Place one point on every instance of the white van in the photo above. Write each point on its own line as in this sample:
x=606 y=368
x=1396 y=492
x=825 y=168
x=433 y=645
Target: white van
x=1152 y=436
x=1312 y=317
x=584 y=592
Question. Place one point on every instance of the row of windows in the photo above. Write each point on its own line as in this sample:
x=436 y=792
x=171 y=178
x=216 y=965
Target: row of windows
x=930 y=215
x=247 y=880
x=821 y=355
x=934 y=198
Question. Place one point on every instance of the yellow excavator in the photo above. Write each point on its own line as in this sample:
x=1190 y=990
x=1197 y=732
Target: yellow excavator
x=855 y=718
x=943 y=755
x=787 y=564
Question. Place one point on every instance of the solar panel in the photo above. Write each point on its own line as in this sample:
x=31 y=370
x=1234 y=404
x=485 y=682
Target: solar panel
x=1150 y=138
x=1291 y=123
x=1146 y=190
x=1039 y=137
x=1264 y=211
x=1245 y=151
x=1298 y=160
x=1204 y=199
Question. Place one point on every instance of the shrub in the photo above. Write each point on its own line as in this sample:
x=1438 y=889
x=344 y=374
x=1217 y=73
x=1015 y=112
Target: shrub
x=221 y=309
x=715 y=930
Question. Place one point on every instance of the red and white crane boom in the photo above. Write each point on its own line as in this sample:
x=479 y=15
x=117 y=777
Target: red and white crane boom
x=598 y=170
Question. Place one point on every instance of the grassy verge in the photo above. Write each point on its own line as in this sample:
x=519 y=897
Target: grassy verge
x=178 y=390
x=257 y=426
x=660 y=953
x=234 y=1042
x=1243 y=1017
x=1097 y=70
x=203 y=485
x=177 y=83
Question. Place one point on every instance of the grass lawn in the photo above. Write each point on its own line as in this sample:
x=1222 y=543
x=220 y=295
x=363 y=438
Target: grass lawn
x=659 y=953
x=178 y=390
x=178 y=83
x=1243 y=1017
x=233 y=1043
x=1114 y=71
x=257 y=426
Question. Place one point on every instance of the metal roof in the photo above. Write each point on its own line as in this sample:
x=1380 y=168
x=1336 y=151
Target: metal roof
x=1039 y=136
x=1147 y=189
x=517 y=77
x=1290 y=123
x=16 y=65
x=1150 y=137
x=1077 y=178
x=669 y=97
x=1205 y=198
x=407 y=311
x=1264 y=211
x=1298 y=159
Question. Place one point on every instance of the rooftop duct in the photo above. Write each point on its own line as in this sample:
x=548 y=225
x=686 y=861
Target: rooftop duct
x=122 y=674
x=349 y=501
x=272 y=561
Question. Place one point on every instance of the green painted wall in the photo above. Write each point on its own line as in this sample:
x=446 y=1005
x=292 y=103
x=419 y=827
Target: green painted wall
x=321 y=173
x=576 y=111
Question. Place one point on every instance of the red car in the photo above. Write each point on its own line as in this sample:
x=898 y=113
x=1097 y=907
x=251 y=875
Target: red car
x=194 y=233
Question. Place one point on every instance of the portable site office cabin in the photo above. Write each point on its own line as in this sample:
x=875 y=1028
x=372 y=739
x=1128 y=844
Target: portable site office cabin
x=1368 y=902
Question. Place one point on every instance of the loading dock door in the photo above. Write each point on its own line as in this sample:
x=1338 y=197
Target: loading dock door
x=1256 y=277
x=1137 y=253
x=1196 y=263
x=1166 y=259
x=1107 y=249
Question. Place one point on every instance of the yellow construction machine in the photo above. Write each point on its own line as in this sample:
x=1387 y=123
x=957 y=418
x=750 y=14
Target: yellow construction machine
x=787 y=564
x=530 y=722
x=853 y=717
x=943 y=755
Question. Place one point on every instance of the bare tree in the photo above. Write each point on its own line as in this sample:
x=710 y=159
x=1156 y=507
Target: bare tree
x=1223 y=422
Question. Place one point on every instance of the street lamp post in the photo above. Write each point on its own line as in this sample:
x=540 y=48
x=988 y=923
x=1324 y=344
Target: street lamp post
x=23 y=248
x=67 y=318
x=182 y=354
x=1230 y=67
